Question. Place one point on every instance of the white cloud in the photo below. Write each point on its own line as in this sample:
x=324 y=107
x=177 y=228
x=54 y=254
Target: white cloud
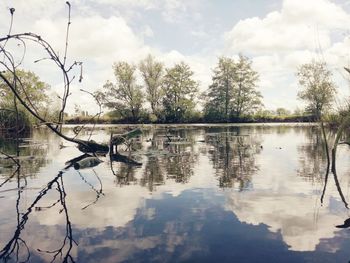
x=299 y=25
x=199 y=33
x=172 y=11
x=146 y=4
x=147 y=31
x=95 y=38
x=283 y=40
x=320 y=12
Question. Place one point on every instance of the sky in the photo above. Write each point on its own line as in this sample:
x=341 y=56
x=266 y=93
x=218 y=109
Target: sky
x=277 y=35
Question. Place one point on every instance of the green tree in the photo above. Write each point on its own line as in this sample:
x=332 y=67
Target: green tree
x=233 y=90
x=181 y=91
x=125 y=95
x=246 y=98
x=282 y=112
x=220 y=93
x=34 y=91
x=318 y=89
x=152 y=73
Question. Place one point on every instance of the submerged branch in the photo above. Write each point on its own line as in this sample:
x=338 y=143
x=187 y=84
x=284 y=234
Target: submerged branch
x=342 y=127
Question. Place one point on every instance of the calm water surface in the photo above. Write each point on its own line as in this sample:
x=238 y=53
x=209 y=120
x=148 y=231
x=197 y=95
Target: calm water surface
x=251 y=193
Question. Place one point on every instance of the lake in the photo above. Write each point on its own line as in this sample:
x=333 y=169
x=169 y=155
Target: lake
x=190 y=193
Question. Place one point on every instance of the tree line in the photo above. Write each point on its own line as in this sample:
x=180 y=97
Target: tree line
x=172 y=93
x=150 y=92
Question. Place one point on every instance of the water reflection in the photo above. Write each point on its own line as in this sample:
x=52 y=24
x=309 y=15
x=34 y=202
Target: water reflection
x=16 y=249
x=32 y=153
x=233 y=156
x=290 y=204
x=220 y=193
x=153 y=174
x=312 y=155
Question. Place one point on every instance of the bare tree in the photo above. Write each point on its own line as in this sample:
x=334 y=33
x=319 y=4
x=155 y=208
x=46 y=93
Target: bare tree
x=16 y=86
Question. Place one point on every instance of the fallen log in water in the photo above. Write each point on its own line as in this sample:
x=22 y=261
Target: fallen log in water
x=123 y=159
x=92 y=147
x=121 y=138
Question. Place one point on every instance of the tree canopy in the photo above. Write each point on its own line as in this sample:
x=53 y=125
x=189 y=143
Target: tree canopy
x=32 y=90
x=125 y=95
x=181 y=91
x=233 y=90
x=317 y=88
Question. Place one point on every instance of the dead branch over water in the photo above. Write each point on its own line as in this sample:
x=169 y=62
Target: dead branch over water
x=15 y=84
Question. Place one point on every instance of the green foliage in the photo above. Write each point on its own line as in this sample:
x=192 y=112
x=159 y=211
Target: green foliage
x=263 y=114
x=152 y=117
x=318 y=89
x=152 y=73
x=8 y=121
x=220 y=93
x=246 y=99
x=282 y=112
x=181 y=91
x=233 y=90
x=32 y=90
x=126 y=95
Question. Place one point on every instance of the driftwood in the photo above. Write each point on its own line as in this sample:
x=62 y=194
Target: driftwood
x=122 y=138
x=123 y=159
x=92 y=147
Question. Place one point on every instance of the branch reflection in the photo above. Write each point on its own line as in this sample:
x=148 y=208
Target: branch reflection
x=323 y=150
x=16 y=249
x=233 y=156
x=16 y=244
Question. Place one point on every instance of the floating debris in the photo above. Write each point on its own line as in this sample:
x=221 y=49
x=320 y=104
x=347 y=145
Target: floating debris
x=92 y=147
x=124 y=159
x=121 y=138
x=87 y=162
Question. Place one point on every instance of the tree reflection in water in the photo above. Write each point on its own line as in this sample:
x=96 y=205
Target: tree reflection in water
x=99 y=192
x=153 y=174
x=334 y=170
x=233 y=156
x=15 y=246
x=169 y=153
x=179 y=166
x=312 y=155
x=314 y=161
x=31 y=156
x=182 y=157
x=27 y=162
